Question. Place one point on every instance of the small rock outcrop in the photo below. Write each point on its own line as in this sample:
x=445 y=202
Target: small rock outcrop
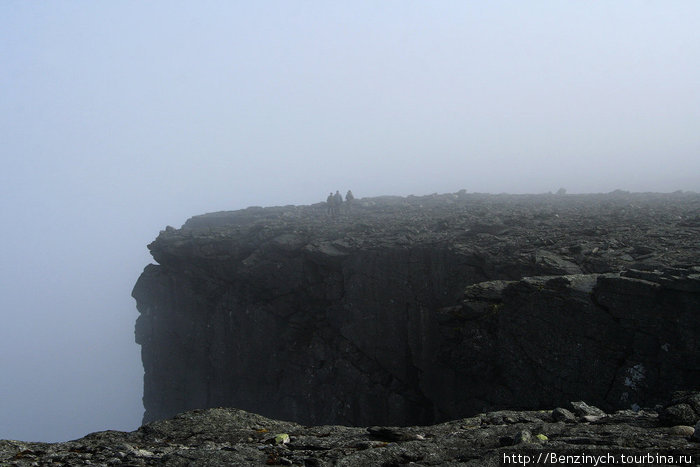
x=227 y=436
x=418 y=310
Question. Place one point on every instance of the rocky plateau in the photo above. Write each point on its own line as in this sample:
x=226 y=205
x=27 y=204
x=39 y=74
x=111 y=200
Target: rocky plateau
x=420 y=310
x=454 y=329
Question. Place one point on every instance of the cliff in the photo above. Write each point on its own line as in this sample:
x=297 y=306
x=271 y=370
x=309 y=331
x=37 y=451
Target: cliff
x=406 y=311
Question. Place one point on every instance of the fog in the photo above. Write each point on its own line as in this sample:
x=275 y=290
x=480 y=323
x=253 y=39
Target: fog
x=119 y=118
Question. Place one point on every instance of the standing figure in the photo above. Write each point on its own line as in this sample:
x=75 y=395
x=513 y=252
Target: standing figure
x=337 y=201
x=330 y=201
x=349 y=197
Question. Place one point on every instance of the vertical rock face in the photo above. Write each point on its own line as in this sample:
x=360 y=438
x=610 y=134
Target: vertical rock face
x=364 y=318
x=316 y=335
x=615 y=339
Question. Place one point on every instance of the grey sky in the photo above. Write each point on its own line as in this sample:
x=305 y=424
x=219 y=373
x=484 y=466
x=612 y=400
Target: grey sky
x=119 y=118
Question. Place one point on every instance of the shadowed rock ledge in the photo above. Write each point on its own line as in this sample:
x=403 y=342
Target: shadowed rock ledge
x=412 y=311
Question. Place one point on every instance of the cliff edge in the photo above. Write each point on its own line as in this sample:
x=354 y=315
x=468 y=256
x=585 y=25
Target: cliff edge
x=413 y=311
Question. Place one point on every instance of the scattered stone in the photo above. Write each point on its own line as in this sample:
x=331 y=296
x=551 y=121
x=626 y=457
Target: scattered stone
x=282 y=438
x=679 y=414
x=523 y=437
x=223 y=437
x=582 y=409
x=690 y=398
x=681 y=430
x=562 y=415
x=390 y=433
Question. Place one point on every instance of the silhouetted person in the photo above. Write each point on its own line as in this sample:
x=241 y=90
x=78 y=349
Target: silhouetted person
x=337 y=202
x=330 y=201
x=349 y=198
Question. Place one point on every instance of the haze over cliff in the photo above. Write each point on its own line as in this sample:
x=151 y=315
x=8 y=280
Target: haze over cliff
x=418 y=310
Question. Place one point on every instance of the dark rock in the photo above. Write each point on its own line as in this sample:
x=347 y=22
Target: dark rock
x=562 y=415
x=679 y=414
x=683 y=409
x=691 y=398
x=390 y=433
x=523 y=437
x=582 y=409
x=556 y=264
x=233 y=437
x=423 y=309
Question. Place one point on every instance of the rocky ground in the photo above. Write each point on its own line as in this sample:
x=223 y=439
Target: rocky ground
x=225 y=436
x=597 y=232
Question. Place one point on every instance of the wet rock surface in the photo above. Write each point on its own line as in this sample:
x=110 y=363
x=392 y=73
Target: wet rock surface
x=233 y=437
x=412 y=311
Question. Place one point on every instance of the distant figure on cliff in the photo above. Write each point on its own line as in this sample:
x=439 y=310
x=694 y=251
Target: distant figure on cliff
x=337 y=202
x=329 y=203
x=349 y=198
